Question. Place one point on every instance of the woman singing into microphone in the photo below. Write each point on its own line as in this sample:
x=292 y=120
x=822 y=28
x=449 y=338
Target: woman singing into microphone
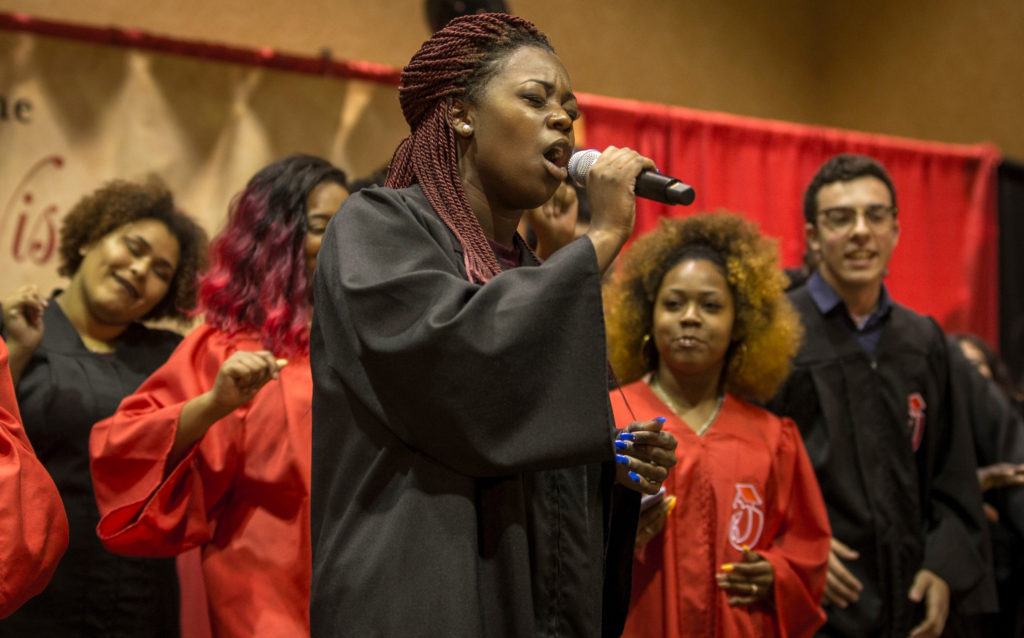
x=464 y=475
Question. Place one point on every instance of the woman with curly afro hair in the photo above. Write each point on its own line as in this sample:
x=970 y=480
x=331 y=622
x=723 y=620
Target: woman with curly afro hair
x=131 y=256
x=699 y=326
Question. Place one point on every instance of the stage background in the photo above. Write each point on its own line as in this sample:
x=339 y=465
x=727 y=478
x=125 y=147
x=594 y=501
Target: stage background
x=96 y=113
x=84 y=113
x=944 y=70
x=74 y=114
x=946 y=262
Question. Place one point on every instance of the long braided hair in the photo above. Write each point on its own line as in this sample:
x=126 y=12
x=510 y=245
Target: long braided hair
x=456 y=62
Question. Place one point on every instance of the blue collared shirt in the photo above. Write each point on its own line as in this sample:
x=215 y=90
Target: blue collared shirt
x=828 y=300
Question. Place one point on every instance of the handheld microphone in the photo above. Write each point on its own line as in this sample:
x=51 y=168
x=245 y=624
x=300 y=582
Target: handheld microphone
x=649 y=184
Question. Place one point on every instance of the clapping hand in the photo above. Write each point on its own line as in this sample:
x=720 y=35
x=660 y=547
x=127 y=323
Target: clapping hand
x=644 y=454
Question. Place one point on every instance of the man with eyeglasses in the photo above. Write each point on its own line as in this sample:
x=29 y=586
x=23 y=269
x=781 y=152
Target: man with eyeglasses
x=870 y=393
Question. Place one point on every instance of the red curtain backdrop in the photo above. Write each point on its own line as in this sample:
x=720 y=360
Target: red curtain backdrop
x=946 y=262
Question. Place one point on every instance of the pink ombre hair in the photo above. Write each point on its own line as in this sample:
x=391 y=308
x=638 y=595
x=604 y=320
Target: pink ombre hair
x=257 y=277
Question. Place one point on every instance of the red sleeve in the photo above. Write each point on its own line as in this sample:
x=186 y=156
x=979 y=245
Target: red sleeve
x=33 y=525
x=799 y=551
x=142 y=512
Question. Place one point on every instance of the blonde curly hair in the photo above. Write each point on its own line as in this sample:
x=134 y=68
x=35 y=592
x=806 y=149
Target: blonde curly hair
x=766 y=330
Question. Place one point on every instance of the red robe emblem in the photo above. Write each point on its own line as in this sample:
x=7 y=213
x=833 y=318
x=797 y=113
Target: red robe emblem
x=915 y=410
x=747 y=520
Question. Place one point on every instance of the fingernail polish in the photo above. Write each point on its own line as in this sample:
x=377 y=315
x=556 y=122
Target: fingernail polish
x=659 y=419
x=627 y=436
x=621 y=460
x=727 y=567
x=621 y=445
x=633 y=476
x=745 y=547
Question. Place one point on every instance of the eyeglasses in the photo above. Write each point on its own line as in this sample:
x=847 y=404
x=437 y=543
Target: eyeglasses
x=844 y=218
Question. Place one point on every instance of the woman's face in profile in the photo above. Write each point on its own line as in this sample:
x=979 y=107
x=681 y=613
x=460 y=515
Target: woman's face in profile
x=693 y=318
x=128 y=271
x=321 y=205
x=520 y=130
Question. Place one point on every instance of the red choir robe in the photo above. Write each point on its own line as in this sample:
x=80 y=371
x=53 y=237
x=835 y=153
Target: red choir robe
x=746 y=481
x=241 y=493
x=33 y=526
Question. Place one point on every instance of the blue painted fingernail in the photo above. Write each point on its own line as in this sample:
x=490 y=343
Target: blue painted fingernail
x=621 y=460
x=633 y=476
x=621 y=445
x=626 y=436
x=659 y=419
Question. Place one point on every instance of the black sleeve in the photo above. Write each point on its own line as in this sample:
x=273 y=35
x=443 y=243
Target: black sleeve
x=997 y=428
x=957 y=546
x=488 y=380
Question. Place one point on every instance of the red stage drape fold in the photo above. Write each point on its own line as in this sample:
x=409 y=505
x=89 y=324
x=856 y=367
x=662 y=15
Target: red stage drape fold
x=946 y=262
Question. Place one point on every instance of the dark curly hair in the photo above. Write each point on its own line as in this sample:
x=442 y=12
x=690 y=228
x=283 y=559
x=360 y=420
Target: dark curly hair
x=257 y=279
x=766 y=331
x=457 y=62
x=996 y=366
x=441 y=12
x=121 y=202
x=843 y=168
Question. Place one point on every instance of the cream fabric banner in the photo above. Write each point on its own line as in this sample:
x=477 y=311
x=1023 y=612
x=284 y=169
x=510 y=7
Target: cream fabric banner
x=74 y=116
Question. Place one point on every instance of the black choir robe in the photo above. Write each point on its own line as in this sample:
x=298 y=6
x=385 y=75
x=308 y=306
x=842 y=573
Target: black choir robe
x=62 y=392
x=998 y=432
x=902 y=509
x=462 y=474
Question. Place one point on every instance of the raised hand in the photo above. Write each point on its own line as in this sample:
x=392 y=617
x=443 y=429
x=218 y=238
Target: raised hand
x=610 y=184
x=238 y=380
x=241 y=376
x=644 y=454
x=23 y=323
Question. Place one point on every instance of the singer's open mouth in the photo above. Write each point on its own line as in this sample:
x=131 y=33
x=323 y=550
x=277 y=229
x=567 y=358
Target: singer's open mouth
x=558 y=154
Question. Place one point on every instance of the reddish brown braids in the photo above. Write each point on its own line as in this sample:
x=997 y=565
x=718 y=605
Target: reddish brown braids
x=456 y=62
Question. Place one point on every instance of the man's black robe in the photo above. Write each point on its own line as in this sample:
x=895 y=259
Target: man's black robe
x=998 y=431
x=462 y=438
x=902 y=510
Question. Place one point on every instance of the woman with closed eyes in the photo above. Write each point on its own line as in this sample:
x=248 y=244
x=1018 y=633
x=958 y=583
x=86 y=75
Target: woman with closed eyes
x=212 y=450
x=464 y=481
x=131 y=256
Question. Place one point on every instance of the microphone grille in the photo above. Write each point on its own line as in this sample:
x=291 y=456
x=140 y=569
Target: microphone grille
x=580 y=163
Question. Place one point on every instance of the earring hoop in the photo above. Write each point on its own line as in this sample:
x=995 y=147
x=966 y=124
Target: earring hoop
x=647 y=351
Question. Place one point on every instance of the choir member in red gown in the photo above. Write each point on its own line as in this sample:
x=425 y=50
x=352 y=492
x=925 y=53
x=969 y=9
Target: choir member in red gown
x=213 y=450
x=699 y=326
x=33 y=526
